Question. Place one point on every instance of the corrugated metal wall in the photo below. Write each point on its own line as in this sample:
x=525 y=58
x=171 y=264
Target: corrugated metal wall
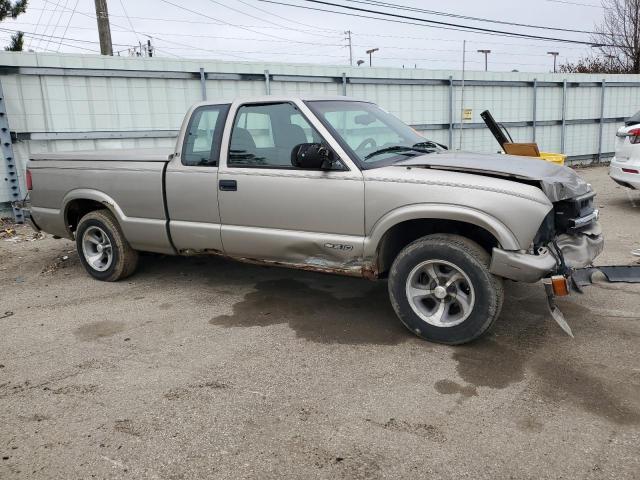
x=55 y=101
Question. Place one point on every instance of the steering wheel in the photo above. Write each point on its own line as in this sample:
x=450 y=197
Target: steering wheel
x=367 y=142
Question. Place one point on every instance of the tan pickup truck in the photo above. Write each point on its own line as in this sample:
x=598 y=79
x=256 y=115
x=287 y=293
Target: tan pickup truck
x=329 y=184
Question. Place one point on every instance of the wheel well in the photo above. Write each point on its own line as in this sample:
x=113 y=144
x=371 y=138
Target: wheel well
x=402 y=234
x=76 y=209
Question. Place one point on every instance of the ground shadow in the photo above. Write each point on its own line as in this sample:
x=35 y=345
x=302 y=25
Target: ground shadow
x=318 y=315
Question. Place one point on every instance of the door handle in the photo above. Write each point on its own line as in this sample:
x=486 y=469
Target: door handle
x=228 y=185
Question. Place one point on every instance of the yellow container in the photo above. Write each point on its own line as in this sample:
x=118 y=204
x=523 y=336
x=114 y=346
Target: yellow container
x=557 y=158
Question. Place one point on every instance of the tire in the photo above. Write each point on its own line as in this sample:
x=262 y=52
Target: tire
x=101 y=228
x=461 y=300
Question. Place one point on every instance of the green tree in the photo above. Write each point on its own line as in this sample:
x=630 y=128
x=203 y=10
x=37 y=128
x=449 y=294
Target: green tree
x=12 y=10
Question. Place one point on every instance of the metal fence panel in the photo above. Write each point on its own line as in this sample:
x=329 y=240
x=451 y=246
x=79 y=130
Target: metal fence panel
x=63 y=102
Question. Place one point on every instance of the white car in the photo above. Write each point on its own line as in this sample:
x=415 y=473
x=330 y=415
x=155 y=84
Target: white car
x=625 y=165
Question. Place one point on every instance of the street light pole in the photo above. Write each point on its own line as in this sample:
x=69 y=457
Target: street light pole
x=370 y=52
x=486 y=53
x=555 y=56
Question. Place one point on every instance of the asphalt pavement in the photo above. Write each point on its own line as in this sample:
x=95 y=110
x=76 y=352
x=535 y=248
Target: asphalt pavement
x=205 y=368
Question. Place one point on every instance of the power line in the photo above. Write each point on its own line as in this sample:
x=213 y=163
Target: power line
x=68 y=23
x=226 y=23
x=42 y=35
x=28 y=34
x=464 y=17
x=437 y=23
x=287 y=19
x=190 y=21
x=195 y=35
x=37 y=25
x=576 y=3
x=129 y=20
x=258 y=18
x=458 y=41
x=55 y=28
x=385 y=46
x=46 y=28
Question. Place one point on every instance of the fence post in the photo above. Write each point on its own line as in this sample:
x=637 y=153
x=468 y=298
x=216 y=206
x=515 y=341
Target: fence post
x=10 y=159
x=535 y=106
x=203 y=84
x=564 y=115
x=601 y=126
x=267 y=84
x=344 y=84
x=450 y=112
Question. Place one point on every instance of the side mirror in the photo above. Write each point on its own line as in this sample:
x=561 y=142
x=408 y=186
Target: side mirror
x=312 y=156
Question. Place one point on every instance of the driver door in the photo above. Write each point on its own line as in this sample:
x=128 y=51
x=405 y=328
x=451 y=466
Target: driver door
x=273 y=211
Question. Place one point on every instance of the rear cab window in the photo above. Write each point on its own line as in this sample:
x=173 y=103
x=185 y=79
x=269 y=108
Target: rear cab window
x=202 y=140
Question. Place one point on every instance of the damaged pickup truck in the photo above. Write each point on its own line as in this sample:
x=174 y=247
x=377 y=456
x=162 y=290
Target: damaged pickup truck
x=332 y=185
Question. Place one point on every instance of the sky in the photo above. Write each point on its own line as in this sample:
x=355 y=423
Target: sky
x=254 y=30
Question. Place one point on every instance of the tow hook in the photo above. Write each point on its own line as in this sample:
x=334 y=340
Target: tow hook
x=561 y=286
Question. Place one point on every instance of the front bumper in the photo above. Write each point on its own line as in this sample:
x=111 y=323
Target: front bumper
x=626 y=179
x=578 y=249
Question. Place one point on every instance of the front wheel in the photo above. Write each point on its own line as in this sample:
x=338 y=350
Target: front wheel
x=103 y=248
x=441 y=289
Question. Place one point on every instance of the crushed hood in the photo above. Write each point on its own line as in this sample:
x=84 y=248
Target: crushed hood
x=556 y=181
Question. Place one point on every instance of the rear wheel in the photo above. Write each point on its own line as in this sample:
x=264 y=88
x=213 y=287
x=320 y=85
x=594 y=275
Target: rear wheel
x=441 y=289
x=102 y=247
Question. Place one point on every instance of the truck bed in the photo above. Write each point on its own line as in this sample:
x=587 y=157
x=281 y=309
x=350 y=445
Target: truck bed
x=113 y=155
x=129 y=182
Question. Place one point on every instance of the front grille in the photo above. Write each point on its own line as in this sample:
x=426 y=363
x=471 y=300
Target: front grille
x=574 y=214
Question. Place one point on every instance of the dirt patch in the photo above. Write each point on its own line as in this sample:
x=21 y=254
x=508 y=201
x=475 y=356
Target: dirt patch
x=126 y=426
x=424 y=430
x=66 y=260
x=317 y=315
x=449 y=387
x=75 y=389
x=180 y=392
x=96 y=330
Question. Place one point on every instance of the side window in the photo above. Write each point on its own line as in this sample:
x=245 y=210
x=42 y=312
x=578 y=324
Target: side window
x=204 y=134
x=265 y=135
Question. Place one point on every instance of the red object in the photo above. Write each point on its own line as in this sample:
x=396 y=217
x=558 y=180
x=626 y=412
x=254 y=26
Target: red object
x=29 y=181
x=629 y=170
x=634 y=135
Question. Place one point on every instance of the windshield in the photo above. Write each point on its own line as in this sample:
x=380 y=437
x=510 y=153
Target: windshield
x=375 y=137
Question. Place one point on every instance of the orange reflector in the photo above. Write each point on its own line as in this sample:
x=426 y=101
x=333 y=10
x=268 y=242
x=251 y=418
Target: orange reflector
x=560 y=286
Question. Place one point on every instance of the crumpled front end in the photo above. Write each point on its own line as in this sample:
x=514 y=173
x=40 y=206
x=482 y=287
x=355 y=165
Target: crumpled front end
x=569 y=238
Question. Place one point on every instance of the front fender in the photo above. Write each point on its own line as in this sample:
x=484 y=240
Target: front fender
x=499 y=230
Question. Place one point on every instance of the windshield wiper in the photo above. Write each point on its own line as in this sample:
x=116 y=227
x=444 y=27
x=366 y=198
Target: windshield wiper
x=422 y=147
x=428 y=144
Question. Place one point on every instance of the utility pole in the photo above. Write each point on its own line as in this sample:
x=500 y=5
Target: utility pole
x=348 y=39
x=555 y=56
x=370 y=52
x=104 y=31
x=486 y=53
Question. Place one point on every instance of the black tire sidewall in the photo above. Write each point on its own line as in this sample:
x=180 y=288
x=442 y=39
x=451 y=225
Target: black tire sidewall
x=109 y=272
x=483 y=312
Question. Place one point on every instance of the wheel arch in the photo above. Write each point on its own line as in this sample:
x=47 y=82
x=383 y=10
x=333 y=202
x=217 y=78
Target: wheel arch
x=400 y=227
x=78 y=203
